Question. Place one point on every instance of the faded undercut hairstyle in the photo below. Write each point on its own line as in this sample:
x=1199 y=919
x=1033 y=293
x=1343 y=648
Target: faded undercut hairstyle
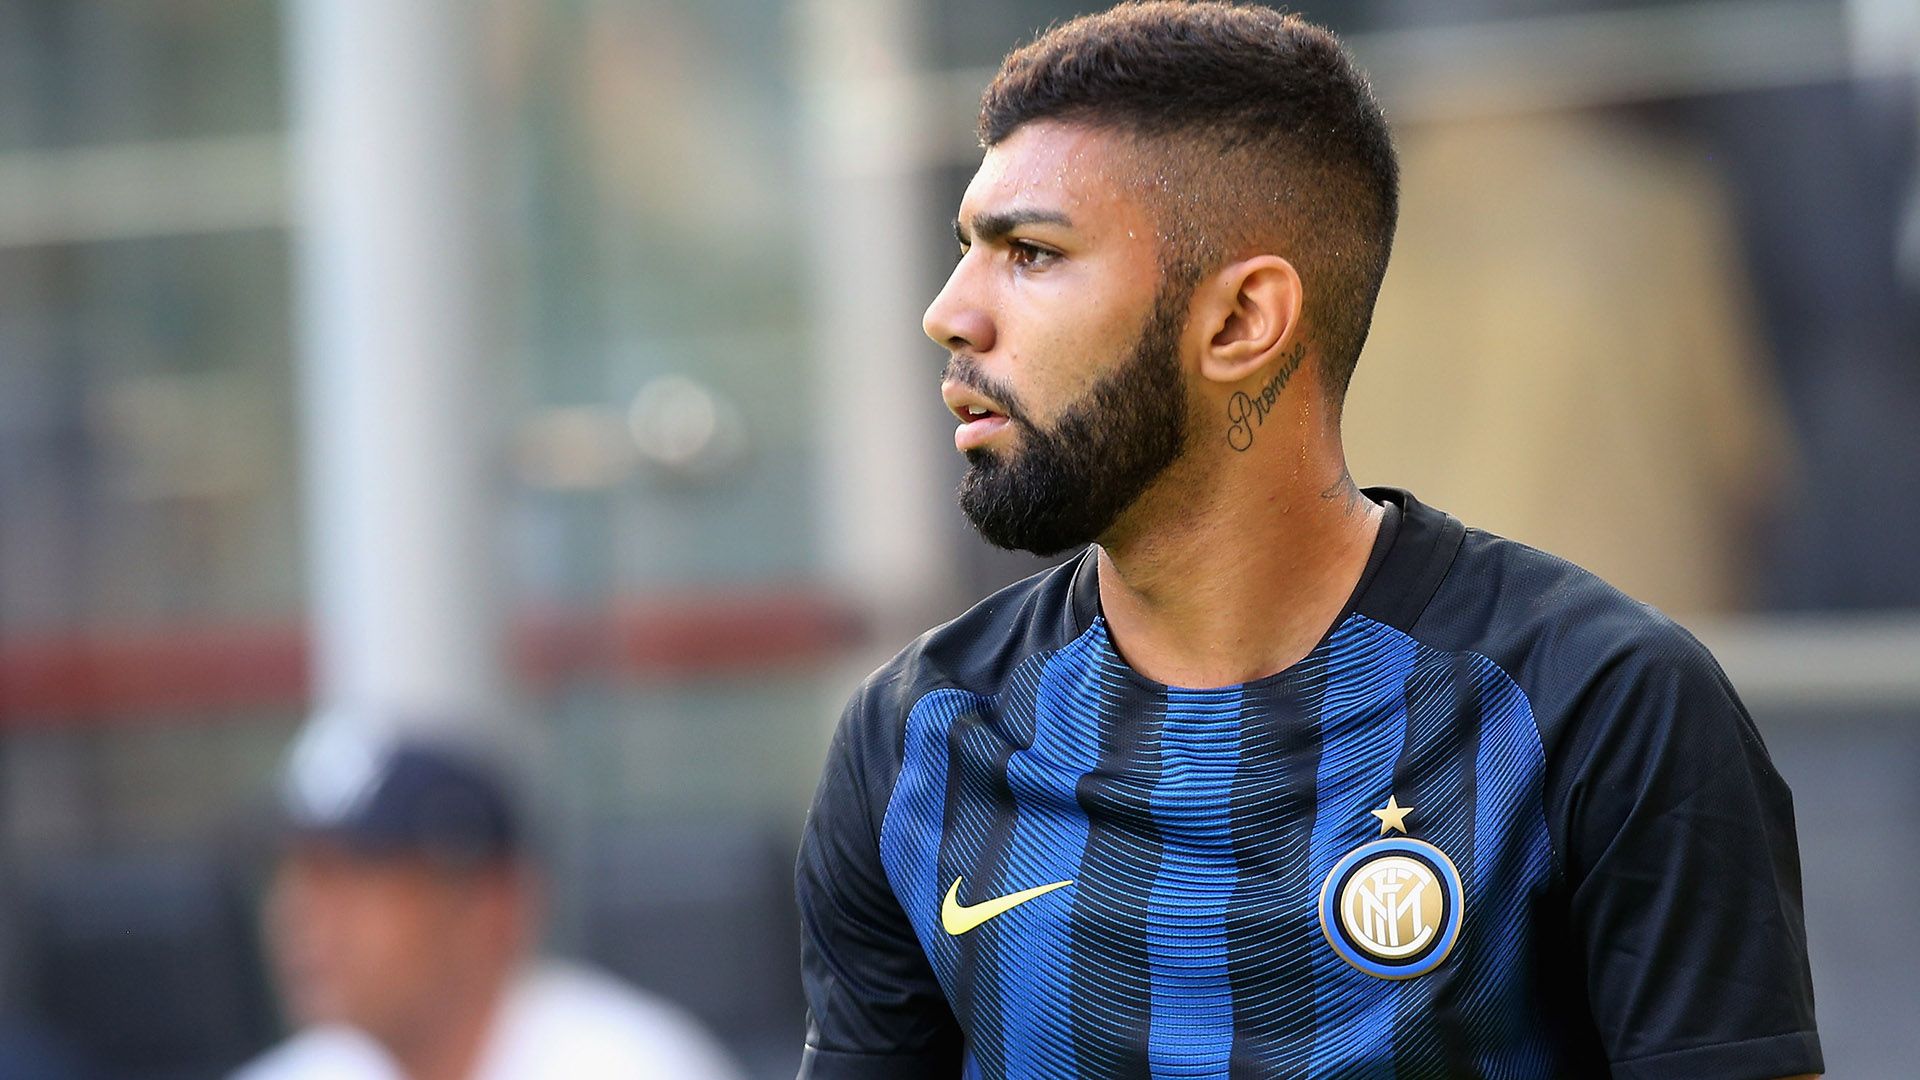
x=1255 y=133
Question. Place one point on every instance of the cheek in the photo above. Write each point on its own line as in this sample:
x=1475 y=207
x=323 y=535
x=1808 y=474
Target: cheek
x=395 y=937
x=1067 y=359
x=312 y=941
x=357 y=942
x=1061 y=331
x=302 y=921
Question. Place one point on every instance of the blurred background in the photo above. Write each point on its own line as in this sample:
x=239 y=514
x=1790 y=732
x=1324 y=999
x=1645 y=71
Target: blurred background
x=559 y=364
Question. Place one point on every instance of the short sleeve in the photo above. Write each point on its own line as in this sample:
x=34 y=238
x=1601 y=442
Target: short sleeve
x=875 y=1009
x=1683 y=873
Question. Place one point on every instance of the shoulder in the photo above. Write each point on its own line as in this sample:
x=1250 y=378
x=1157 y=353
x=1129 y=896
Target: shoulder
x=1633 y=714
x=331 y=1053
x=981 y=648
x=1559 y=632
x=979 y=651
x=567 y=1020
x=975 y=654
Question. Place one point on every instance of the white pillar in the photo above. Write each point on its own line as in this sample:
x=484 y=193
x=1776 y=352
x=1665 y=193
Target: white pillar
x=392 y=273
x=885 y=515
x=1886 y=43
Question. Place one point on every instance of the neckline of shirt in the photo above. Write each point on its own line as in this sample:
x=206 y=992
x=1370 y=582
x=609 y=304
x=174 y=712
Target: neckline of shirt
x=1401 y=510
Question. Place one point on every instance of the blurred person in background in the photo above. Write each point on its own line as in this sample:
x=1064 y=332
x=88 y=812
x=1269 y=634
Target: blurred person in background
x=404 y=922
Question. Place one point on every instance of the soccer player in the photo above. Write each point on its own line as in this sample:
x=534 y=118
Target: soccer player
x=1279 y=777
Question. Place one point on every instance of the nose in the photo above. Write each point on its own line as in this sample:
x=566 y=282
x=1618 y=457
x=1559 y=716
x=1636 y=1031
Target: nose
x=956 y=319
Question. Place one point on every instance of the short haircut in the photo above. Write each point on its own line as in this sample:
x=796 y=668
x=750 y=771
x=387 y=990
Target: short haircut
x=1257 y=132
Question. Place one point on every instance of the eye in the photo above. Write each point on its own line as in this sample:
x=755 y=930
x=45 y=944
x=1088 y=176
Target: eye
x=1030 y=255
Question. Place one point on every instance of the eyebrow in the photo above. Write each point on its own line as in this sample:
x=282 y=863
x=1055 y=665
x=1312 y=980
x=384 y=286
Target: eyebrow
x=988 y=228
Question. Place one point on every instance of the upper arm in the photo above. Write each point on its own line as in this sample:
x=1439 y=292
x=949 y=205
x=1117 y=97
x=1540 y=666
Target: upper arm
x=1683 y=873
x=875 y=1008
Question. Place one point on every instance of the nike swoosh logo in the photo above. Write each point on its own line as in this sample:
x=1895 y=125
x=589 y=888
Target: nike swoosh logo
x=958 y=918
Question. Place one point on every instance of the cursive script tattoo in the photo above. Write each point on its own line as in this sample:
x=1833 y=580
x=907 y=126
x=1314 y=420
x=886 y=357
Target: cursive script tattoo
x=1245 y=412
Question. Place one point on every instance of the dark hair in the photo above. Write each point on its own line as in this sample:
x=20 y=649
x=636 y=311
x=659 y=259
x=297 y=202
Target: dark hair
x=1259 y=129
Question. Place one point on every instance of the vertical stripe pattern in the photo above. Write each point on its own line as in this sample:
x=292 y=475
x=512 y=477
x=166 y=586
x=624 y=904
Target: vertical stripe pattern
x=1112 y=1010
x=1272 y=927
x=1049 y=837
x=1511 y=842
x=1363 y=725
x=1436 y=776
x=1197 y=828
x=1191 y=1035
x=911 y=833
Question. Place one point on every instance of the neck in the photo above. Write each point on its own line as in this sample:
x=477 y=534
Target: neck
x=1236 y=581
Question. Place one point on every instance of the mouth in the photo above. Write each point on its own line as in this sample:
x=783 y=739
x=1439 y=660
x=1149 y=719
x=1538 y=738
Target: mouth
x=980 y=419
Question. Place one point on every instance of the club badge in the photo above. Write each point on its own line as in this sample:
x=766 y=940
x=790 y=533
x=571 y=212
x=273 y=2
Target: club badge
x=1392 y=907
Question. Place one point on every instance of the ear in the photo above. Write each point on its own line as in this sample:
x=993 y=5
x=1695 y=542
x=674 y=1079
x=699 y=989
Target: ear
x=1250 y=312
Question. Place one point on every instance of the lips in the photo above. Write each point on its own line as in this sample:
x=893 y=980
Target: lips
x=976 y=433
x=980 y=417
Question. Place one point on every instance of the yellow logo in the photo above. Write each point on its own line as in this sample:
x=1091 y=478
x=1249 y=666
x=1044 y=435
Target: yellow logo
x=958 y=918
x=1392 y=907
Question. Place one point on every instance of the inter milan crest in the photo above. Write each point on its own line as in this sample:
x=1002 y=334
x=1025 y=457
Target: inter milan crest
x=1392 y=908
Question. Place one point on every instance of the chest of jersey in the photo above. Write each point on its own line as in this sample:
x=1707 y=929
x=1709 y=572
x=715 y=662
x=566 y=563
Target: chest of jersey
x=1334 y=872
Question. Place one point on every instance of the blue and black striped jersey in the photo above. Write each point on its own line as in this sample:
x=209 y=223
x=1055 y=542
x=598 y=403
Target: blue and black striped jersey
x=1501 y=822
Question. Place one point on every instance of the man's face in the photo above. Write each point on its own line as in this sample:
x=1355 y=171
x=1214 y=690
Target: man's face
x=370 y=942
x=1065 y=341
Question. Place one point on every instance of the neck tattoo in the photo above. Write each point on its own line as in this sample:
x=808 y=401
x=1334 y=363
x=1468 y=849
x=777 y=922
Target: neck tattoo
x=1245 y=412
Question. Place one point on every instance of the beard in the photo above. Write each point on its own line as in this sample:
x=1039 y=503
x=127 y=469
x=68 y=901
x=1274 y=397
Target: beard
x=1065 y=486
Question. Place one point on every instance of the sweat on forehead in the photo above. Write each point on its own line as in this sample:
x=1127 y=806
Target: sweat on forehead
x=1054 y=173
x=1201 y=205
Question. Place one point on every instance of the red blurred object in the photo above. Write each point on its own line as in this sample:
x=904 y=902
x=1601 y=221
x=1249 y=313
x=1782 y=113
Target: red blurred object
x=146 y=673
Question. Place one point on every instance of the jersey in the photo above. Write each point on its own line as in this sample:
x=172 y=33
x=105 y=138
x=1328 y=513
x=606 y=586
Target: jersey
x=1501 y=822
